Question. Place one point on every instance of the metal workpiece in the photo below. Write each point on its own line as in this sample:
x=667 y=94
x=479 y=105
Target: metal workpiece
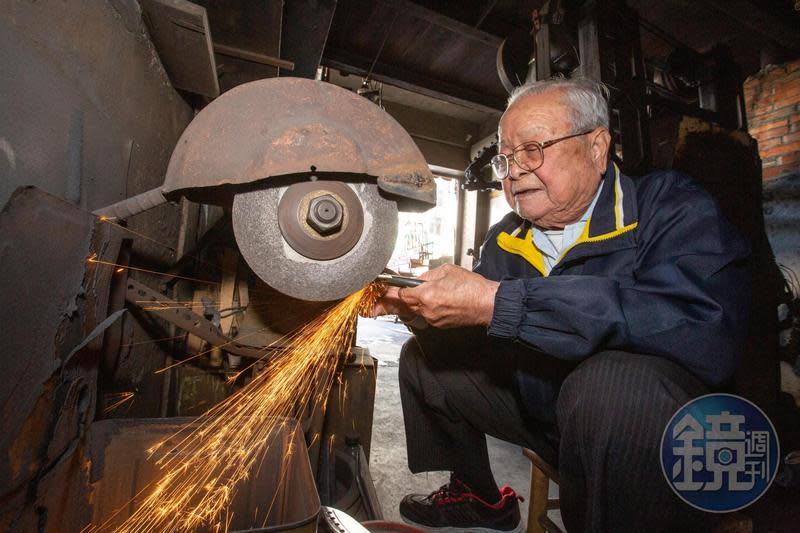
x=133 y=205
x=278 y=244
x=399 y=281
x=300 y=128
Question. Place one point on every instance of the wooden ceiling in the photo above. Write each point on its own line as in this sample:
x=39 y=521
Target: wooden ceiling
x=448 y=49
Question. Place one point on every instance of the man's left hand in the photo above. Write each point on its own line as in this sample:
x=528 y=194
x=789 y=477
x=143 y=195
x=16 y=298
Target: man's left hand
x=451 y=297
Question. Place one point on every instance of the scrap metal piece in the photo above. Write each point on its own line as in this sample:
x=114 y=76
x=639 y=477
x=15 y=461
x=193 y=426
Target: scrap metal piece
x=147 y=299
x=298 y=127
x=273 y=257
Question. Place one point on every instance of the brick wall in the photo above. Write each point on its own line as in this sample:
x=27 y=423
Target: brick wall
x=772 y=98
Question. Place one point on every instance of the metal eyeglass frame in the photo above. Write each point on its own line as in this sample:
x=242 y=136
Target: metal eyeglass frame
x=539 y=145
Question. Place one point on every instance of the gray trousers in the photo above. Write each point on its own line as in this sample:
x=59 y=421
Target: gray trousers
x=609 y=415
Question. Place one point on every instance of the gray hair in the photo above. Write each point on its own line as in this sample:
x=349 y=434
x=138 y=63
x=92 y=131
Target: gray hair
x=586 y=99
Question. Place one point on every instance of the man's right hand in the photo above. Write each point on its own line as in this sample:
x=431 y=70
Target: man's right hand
x=391 y=304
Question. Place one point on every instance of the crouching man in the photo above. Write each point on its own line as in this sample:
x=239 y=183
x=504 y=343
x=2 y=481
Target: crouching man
x=600 y=305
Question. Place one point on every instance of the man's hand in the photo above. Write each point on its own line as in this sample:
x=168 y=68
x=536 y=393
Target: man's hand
x=391 y=304
x=451 y=297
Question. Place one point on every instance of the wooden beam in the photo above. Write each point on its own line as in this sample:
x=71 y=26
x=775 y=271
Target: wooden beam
x=413 y=81
x=443 y=21
x=748 y=15
x=306 y=26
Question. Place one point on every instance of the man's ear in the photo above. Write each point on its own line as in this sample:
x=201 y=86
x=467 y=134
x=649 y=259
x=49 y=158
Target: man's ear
x=600 y=140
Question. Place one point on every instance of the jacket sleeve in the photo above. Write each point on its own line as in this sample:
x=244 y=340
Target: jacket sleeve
x=687 y=300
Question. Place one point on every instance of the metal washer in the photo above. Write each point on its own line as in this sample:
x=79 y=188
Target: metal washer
x=292 y=210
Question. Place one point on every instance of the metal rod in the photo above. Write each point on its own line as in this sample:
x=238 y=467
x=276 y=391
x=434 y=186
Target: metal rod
x=486 y=10
x=254 y=57
x=383 y=43
x=400 y=281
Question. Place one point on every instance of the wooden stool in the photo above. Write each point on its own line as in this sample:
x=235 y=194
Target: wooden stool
x=539 y=503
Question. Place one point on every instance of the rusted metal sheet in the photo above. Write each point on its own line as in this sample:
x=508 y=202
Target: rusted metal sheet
x=279 y=494
x=292 y=126
x=180 y=32
x=51 y=299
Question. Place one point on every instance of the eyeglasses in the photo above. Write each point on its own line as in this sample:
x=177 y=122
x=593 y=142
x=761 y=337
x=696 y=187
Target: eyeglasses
x=528 y=156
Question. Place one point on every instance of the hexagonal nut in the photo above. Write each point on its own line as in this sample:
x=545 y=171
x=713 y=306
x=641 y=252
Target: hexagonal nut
x=325 y=214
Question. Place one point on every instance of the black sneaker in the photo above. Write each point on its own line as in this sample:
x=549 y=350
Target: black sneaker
x=455 y=508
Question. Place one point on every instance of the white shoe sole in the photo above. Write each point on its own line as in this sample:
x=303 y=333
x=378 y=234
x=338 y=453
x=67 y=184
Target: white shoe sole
x=518 y=529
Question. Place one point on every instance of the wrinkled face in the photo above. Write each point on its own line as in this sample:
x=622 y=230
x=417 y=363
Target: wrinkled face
x=559 y=192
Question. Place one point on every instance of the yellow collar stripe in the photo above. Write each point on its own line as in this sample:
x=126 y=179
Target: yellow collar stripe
x=584 y=238
x=523 y=247
x=514 y=243
x=619 y=212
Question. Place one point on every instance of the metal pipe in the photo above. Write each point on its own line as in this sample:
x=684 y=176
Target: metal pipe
x=444 y=171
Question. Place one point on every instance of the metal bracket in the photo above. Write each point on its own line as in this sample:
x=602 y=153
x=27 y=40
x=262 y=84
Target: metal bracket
x=149 y=300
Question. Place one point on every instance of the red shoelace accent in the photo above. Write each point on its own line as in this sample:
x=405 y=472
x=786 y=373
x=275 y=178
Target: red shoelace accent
x=446 y=496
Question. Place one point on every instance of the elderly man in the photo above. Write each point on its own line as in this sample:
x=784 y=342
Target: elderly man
x=600 y=306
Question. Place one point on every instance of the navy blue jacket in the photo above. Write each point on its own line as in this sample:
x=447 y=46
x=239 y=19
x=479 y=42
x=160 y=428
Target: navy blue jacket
x=657 y=271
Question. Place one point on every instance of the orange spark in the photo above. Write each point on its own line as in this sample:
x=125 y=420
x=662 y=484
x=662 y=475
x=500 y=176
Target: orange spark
x=93 y=259
x=200 y=474
x=117 y=399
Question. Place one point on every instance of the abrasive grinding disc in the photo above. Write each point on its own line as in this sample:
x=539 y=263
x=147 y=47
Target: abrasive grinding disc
x=288 y=255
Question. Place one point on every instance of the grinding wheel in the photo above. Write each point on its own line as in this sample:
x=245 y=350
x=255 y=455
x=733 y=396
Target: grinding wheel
x=316 y=240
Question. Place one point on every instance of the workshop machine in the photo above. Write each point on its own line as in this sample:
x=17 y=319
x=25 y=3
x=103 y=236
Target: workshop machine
x=288 y=192
x=315 y=175
x=309 y=178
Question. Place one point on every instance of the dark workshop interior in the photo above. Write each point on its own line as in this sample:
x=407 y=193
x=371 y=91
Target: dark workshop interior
x=188 y=184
